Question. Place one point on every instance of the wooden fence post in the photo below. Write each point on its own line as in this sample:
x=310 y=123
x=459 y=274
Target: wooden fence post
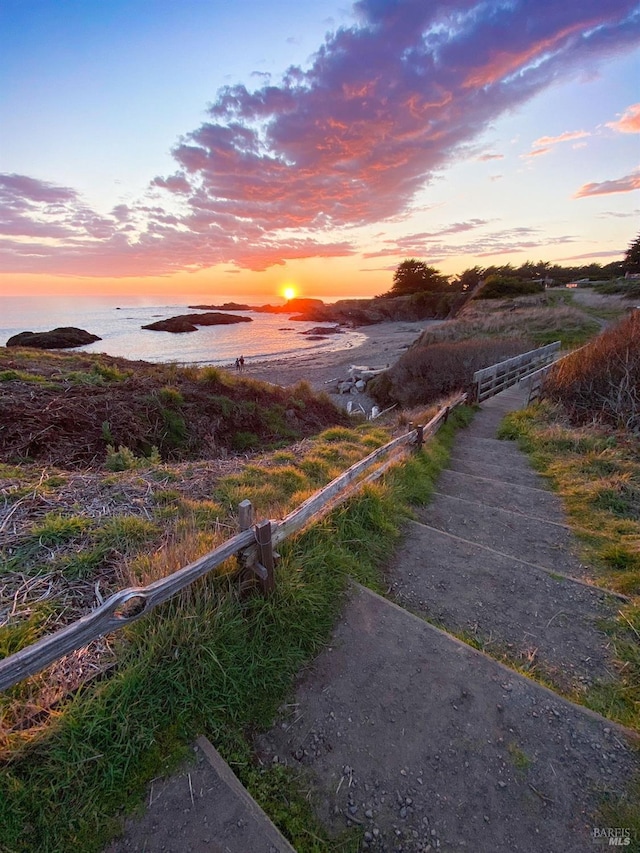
x=247 y=557
x=265 y=551
x=419 y=437
x=245 y=515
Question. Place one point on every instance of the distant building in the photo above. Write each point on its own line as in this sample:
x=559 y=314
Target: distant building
x=578 y=283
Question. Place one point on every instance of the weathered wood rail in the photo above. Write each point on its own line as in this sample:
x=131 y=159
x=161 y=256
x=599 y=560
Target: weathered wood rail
x=492 y=380
x=253 y=545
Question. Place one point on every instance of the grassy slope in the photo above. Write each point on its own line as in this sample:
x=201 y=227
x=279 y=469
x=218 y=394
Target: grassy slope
x=213 y=661
x=597 y=474
x=73 y=409
x=445 y=357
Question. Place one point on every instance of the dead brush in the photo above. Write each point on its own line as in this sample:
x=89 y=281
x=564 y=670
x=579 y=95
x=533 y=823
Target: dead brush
x=601 y=383
x=426 y=374
x=421 y=415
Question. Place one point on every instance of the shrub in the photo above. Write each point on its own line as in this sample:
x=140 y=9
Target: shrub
x=601 y=381
x=425 y=374
x=501 y=286
x=124 y=459
x=623 y=287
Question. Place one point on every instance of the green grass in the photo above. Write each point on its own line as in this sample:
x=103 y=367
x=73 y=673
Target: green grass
x=127 y=532
x=210 y=661
x=21 y=376
x=569 y=336
x=598 y=477
x=56 y=528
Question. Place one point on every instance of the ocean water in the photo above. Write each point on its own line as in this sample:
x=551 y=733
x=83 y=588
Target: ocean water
x=118 y=323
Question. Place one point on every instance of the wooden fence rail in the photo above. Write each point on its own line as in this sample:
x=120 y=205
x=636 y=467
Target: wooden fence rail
x=492 y=380
x=253 y=545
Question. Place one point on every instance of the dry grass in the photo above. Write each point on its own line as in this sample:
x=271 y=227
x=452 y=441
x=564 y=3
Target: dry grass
x=602 y=382
x=539 y=318
x=72 y=538
x=429 y=373
x=443 y=359
x=70 y=410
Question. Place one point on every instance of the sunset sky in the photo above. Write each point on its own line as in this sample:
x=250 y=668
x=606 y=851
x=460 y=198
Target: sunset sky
x=229 y=149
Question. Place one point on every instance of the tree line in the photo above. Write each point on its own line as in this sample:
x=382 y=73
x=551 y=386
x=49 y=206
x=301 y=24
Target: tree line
x=415 y=276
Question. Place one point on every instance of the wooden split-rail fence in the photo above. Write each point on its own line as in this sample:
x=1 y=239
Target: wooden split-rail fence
x=492 y=380
x=254 y=544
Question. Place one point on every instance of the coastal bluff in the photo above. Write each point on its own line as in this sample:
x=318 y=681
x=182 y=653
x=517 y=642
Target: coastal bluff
x=357 y=312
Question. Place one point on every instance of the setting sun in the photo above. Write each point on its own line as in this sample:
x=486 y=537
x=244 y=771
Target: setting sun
x=289 y=292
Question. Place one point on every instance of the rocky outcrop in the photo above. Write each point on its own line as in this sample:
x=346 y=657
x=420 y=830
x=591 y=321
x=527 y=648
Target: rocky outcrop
x=64 y=337
x=227 y=306
x=323 y=331
x=190 y=322
x=366 y=312
x=356 y=312
x=359 y=376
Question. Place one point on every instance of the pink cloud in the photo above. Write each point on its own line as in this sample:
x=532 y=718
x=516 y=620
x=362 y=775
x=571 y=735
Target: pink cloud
x=545 y=144
x=273 y=172
x=537 y=152
x=568 y=136
x=38 y=209
x=619 y=185
x=629 y=121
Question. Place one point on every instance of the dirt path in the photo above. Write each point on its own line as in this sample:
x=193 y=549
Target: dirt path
x=427 y=743
x=491 y=557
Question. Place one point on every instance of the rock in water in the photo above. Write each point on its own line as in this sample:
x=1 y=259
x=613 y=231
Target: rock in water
x=173 y=324
x=190 y=322
x=61 y=338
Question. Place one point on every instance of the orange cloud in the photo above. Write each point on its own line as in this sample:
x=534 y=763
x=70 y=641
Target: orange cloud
x=619 y=185
x=629 y=121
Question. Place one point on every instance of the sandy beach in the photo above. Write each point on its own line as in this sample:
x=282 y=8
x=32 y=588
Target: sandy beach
x=384 y=344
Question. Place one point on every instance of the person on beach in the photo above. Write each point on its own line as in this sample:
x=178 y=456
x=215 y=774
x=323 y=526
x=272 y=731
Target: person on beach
x=237 y=364
x=241 y=361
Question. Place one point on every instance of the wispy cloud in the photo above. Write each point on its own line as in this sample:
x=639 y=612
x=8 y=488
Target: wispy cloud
x=498 y=242
x=275 y=172
x=619 y=185
x=422 y=243
x=545 y=144
x=629 y=121
x=612 y=253
x=621 y=214
x=568 y=136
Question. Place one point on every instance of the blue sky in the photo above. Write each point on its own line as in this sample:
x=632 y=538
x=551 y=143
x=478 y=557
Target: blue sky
x=202 y=146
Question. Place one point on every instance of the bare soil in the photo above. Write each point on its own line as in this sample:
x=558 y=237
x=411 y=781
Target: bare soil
x=426 y=743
